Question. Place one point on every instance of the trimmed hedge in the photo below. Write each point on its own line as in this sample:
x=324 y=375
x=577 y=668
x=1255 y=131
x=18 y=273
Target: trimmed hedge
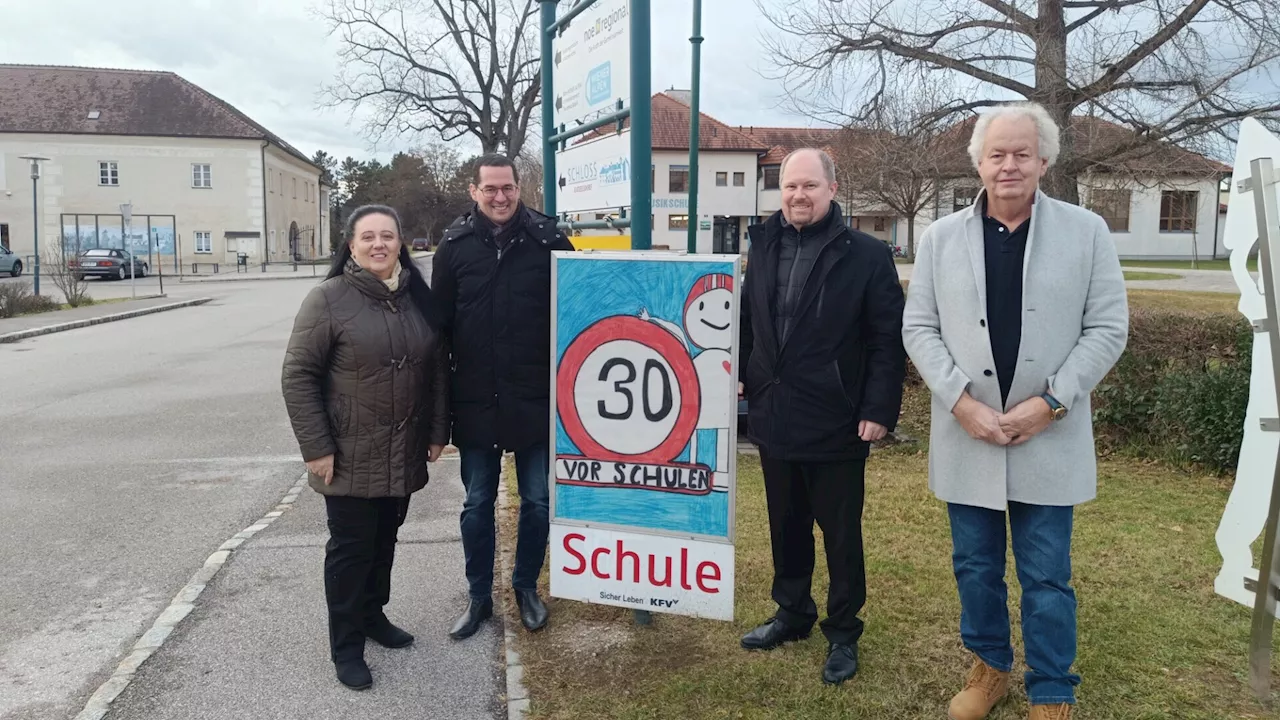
x=1178 y=392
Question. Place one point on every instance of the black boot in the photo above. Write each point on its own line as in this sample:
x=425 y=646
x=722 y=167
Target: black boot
x=470 y=621
x=387 y=635
x=771 y=634
x=533 y=613
x=842 y=664
x=354 y=673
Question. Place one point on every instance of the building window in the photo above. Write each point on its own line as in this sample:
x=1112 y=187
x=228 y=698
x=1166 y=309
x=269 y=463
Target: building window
x=771 y=175
x=201 y=176
x=204 y=242
x=1178 y=210
x=677 y=222
x=963 y=198
x=879 y=223
x=295 y=188
x=722 y=179
x=1113 y=206
x=108 y=173
x=678 y=179
x=739 y=179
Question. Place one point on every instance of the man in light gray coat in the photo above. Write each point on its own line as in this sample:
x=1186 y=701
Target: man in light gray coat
x=1015 y=311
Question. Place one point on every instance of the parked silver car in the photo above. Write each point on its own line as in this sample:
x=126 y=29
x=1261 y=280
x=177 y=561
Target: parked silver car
x=107 y=263
x=10 y=262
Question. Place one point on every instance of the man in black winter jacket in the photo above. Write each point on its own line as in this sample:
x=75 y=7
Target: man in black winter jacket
x=492 y=276
x=823 y=367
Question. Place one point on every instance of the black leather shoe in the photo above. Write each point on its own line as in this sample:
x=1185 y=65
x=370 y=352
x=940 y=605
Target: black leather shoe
x=771 y=634
x=388 y=635
x=470 y=621
x=354 y=673
x=533 y=613
x=842 y=664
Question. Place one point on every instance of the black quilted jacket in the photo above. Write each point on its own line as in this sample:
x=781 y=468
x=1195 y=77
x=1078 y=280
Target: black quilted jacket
x=366 y=379
x=497 y=314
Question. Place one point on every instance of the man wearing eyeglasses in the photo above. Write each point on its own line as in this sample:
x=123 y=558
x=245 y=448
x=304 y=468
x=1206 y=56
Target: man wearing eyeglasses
x=492 y=275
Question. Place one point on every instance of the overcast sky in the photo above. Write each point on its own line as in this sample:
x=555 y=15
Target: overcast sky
x=270 y=57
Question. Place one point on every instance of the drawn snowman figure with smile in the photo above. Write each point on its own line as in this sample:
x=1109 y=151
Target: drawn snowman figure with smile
x=708 y=323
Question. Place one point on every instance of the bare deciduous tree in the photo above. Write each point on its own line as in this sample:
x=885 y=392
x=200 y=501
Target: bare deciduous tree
x=530 y=167
x=58 y=268
x=893 y=158
x=454 y=67
x=1172 y=72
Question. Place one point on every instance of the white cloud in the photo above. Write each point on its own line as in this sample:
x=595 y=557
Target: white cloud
x=270 y=58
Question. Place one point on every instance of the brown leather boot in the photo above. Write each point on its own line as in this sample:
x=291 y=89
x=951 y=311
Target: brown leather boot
x=984 y=687
x=1061 y=711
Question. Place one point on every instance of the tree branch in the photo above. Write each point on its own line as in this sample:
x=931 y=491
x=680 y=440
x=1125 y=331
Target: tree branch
x=1141 y=52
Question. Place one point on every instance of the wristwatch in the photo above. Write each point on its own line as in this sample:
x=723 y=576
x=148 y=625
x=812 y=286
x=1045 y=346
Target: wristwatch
x=1056 y=409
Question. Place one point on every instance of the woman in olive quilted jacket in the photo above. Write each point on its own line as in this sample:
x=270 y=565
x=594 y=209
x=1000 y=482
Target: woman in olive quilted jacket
x=366 y=383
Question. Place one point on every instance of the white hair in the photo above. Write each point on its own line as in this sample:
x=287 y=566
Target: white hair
x=1047 y=131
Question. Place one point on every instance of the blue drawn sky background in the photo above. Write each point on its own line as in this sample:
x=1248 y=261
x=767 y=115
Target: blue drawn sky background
x=588 y=290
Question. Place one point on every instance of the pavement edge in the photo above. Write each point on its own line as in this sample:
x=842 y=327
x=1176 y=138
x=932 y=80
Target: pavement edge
x=99 y=704
x=76 y=324
x=517 y=693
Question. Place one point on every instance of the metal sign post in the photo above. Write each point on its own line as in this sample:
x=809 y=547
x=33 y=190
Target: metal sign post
x=1263 y=185
x=126 y=211
x=595 y=72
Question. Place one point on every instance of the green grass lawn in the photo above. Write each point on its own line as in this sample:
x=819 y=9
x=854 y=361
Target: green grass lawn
x=1154 y=640
x=1140 y=275
x=1204 y=264
x=1199 y=302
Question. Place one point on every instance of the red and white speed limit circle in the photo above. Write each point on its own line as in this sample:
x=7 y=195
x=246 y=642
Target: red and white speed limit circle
x=627 y=390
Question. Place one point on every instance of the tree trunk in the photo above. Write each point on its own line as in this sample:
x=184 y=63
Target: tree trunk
x=1053 y=92
x=911 y=237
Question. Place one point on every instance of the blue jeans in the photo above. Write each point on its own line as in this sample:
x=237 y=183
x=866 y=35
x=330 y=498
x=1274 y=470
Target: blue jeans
x=1041 y=536
x=480 y=469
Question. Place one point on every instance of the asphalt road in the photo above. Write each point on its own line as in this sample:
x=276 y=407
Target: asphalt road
x=128 y=453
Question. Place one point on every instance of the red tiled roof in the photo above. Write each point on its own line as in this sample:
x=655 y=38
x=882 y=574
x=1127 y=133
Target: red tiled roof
x=782 y=141
x=58 y=100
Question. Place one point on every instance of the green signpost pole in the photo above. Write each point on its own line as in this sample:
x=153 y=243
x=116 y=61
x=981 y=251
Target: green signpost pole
x=548 y=110
x=694 y=116
x=641 y=128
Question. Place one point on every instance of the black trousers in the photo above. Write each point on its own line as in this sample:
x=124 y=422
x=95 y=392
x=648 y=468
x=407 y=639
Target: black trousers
x=357 y=568
x=831 y=493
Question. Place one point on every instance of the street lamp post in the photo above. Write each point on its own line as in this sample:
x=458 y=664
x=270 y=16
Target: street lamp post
x=35 y=217
x=126 y=211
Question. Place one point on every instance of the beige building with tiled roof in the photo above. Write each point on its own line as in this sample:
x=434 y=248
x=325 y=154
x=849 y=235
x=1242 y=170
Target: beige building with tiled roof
x=206 y=183
x=1171 y=203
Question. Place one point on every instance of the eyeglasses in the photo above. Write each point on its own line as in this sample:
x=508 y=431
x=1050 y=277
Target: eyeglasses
x=507 y=190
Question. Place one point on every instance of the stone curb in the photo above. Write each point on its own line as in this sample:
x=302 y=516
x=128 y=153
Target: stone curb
x=517 y=693
x=76 y=324
x=183 y=603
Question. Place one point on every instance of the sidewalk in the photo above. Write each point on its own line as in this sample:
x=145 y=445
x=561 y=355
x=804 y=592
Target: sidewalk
x=256 y=645
x=12 y=329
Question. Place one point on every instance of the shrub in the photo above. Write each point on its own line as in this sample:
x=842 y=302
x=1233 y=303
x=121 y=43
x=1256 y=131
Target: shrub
x=1178 y=392
x=16 y=299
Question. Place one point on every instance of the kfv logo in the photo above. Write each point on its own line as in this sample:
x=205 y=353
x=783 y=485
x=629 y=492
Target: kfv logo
x=659 y=602
x=599 y=84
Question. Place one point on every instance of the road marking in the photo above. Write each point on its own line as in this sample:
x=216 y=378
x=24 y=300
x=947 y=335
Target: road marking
x=183 y=603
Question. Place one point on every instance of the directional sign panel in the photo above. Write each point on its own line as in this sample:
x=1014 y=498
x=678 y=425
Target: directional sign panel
x=594 y=175
x=592 y=68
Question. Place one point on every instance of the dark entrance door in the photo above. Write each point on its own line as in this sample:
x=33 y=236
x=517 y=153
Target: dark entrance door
x=724 y=233
x=4 y=236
